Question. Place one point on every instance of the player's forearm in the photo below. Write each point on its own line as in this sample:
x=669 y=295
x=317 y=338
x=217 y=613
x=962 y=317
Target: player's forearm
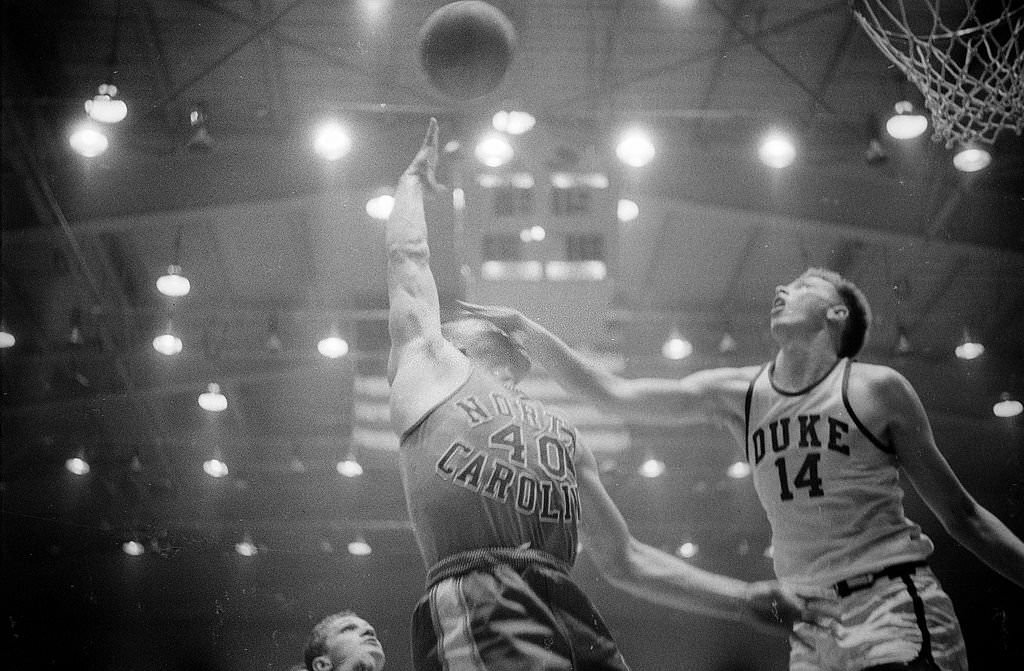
x=406 y=228
x=992 y=541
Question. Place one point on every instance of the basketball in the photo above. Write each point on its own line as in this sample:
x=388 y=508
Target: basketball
x=465 y=48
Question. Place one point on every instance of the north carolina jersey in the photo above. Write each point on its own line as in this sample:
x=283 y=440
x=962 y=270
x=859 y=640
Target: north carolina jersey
x=489 y=468
x=829 y=487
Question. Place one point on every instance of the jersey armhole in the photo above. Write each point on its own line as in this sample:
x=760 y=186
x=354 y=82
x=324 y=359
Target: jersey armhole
x=856 y=420
x=746 y=412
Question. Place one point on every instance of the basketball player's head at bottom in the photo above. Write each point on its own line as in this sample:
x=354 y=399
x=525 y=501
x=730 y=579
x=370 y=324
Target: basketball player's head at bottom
x=488 y=347
x=344 y=641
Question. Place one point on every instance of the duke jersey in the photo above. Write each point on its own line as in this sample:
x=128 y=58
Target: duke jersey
x=829 y=487
x=487 y=468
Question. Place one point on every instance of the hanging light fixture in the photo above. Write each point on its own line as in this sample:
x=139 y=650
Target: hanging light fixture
x=349 y=466
x=777 y=150
x=200 y=140
x=77 y=464
x=212 y=399
x=167 y=343
x=494 y=151
x=905 y=124
x=174 y=283
x=635 y=148
x=88 y=140
x=513 y=122
x=971 y=158
x=359 y=547
x=215 y=468
x=331 y=141
x=968 y=348
x=333 y=346
x=7 y=338
x=676 y=347
x=652 y=468
x=1007 y=406
x=104 y=107
x=133 y=548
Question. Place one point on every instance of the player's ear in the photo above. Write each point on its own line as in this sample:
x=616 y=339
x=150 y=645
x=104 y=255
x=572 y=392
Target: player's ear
x=322 y=663
x=838 y=312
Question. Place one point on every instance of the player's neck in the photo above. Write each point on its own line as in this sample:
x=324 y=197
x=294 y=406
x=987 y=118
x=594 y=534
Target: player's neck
x=801 y=363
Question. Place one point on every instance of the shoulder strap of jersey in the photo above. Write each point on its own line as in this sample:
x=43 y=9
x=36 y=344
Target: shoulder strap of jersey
x=856 y=420
x=746 y=411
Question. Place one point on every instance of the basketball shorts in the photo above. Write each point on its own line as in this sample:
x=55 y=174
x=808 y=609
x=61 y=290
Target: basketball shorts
x=896 y=622
x=508 y=610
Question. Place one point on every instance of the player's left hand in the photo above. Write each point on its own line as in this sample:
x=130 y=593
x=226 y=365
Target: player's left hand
x=424 y=165
x=775 y=608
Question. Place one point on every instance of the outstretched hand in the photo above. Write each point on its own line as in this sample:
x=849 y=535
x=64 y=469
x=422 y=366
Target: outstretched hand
x=507 y=319
x=775 y=608
x=424 y=165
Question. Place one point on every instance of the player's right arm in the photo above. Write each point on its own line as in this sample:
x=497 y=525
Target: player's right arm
x=422 y=366
x=717 y=394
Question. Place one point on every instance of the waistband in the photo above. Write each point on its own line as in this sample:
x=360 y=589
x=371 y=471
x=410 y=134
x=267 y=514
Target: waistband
x=520 y=559
x=865 y=580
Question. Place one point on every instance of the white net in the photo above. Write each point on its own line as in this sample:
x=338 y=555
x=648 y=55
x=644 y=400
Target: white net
x=965 y=57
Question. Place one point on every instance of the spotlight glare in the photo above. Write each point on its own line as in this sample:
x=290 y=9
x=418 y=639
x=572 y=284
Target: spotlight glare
x=333 y=347
x=133 y=548
x=635 y=149
x=167 y=344
x=212 y=399
x=627 y=210
x=688 y=550
x=1007 y=407
x=332 y=142
x=494 y=151
x=738 y=470
x=971 y=159
x=359 y=548
x=652 y=468
x=350 y=468
x=215 y=468
x=88 y=141
x=173 y=283
x=777 y=151
x=77 y=466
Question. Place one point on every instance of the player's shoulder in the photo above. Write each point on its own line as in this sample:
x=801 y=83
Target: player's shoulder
x=876 y=377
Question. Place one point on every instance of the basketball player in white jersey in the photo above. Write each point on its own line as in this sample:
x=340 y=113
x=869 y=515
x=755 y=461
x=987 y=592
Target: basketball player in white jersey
x=826 y=438
x=500 y=489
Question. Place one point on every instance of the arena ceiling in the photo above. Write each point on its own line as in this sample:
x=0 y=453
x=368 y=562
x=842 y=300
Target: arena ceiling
x=279 y=249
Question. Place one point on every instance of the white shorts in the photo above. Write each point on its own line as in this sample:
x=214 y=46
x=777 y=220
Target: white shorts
x=898 y=619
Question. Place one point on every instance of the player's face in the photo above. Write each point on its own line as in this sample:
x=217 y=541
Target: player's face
x=352 y=645
x=802 y=300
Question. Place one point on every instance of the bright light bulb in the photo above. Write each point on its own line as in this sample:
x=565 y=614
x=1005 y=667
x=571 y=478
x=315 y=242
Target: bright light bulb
x=6 y=338
x=676 y=348
x=777 y=151
x=738 y=470
x=332 y=142
x=77 y=465
x=688 y=550
x=627 y=210
x=105 y=109
x=333 y=347
x=173 y=284
x=350 y=468
x=635 y=149
x=167 y=344
x=246 y=548
x=652 y=468
x=971 y=159
x=88 y=141
x=212 y=399
x=905 y=125
x=133 y=548
x=494 y=151
x=513 y=123
x=359 y=548
x=215 y=468
x=379 y=207
x=1007 y=407
x=969 y=350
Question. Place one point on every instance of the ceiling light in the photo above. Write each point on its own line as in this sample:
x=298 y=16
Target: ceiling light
x=215 y=468
x=972 y=159
x=494 y=151
x=89 y=141
x=777 y=151
x=167 y=343
x=1007 y=406
x=333 y=346
x=133 y=548
x=635 y=149
x=738 y=470
x=77 y=465
x=212 y=399
x=906 y=124
x=379 y=207
x=7 y=338
x=727 y=344
x=513 y=122
x=676 y=347
x=359 y=547
x=652 y=468
x=688 y=550
x=246 y=548
x=104 y=108
x=349 y=467
x=332 y=142
x=627 y=210
x=173 y=283
x=200 y=139
x=969 y=349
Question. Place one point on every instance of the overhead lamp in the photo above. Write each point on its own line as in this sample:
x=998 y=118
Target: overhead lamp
x=246 y=547
x=1007 y=406
x=494 y=150
x=777 y=151
x=212 y=399
x=380 y=206
x=349 y=467
x=167 y=343
x=534 y=233
x=104 y=107
x=513 y=122
x=273 y=341
x=905 y=124
x=652 y=468
x=359 y=547
x=738 y=470
x=200 y=140
x=635 y=148
x=727 y=344
x=133 y=548
x=688 y=550
x=77 y=465
x=88 y=140
x=971 y=158
x=903 y=344
x=7 y=338
x=215 y=468
x=332 y=141
x=173 y=283
x=333 y=346
x=75 y=336
x=676 y=347
x=627 y=210
x=969 y=349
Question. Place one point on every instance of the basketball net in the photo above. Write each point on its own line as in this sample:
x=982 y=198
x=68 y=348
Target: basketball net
x=971 y=71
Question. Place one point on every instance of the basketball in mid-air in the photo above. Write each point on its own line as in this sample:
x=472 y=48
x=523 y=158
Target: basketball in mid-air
x=465 y=48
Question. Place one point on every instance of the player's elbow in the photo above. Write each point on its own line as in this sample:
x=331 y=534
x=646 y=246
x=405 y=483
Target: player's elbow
x=401 y=252
x=620 y=565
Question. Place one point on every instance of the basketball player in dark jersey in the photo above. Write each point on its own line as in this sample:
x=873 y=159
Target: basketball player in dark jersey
x=826 y=438
x=499 y=488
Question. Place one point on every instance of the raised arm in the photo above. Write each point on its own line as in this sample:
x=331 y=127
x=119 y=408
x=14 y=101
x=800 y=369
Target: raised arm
x=717 y=393
x=910 y=433
x=667 y=580
x=422 y=366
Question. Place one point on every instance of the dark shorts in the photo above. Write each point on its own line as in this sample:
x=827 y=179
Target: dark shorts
x=509 y=610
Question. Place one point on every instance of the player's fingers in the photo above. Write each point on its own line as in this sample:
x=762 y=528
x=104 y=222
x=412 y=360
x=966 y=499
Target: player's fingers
x=431 y=139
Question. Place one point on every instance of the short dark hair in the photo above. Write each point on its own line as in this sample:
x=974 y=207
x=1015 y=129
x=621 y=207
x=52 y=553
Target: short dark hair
x=316 y=644
x=466 y=331
x=855 y=330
